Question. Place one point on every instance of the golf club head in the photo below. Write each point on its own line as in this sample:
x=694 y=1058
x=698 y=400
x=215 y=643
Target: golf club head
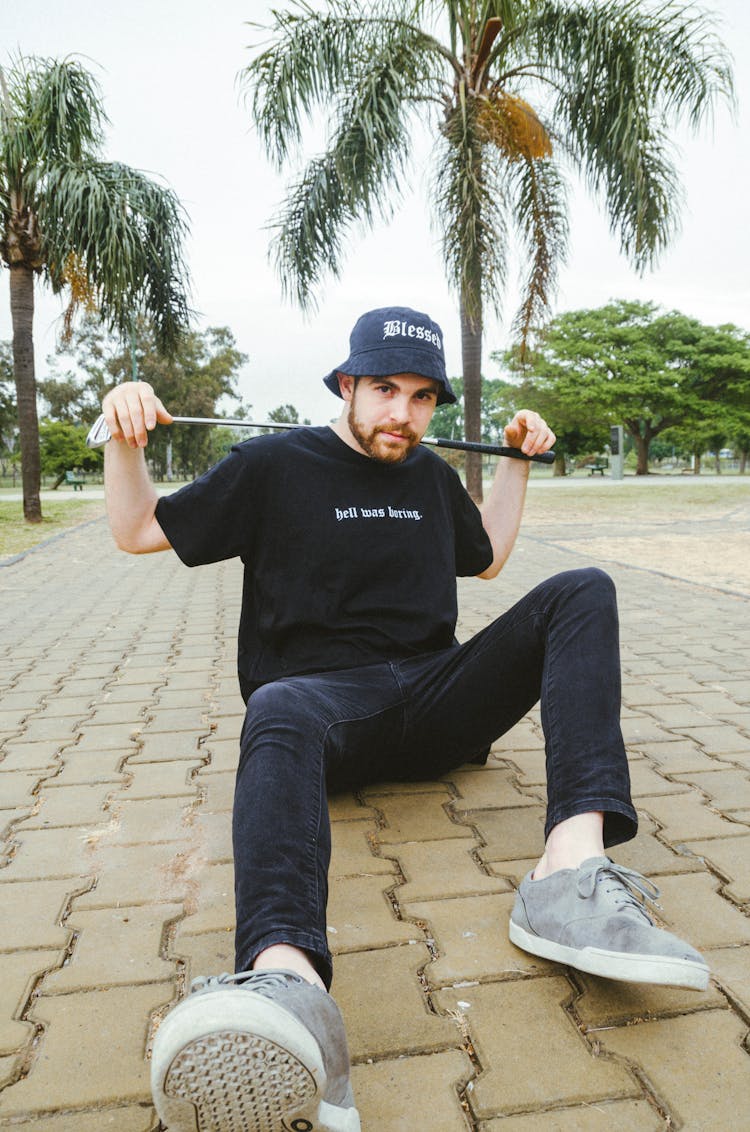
x=99 y=433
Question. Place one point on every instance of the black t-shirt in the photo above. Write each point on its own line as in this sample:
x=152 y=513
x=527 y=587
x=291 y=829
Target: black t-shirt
x=348 y=561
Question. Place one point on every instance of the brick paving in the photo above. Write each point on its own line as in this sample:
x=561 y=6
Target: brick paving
x=118 y=728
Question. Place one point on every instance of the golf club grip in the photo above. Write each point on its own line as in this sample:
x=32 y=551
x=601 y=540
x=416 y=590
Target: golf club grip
x=493 y=450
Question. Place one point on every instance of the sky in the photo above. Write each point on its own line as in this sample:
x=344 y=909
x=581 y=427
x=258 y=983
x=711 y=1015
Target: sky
x=168 y=71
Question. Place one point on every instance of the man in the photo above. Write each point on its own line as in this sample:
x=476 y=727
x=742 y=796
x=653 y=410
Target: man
x=352 y=537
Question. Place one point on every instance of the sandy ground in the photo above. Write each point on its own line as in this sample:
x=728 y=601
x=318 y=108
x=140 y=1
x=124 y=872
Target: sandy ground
x=700 y=533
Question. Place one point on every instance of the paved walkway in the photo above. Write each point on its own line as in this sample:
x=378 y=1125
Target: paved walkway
x=118 y=729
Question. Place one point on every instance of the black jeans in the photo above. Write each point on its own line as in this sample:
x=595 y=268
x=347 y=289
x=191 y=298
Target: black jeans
x=416 y=719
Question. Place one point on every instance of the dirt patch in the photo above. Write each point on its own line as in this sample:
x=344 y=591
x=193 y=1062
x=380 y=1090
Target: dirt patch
x=700 y=534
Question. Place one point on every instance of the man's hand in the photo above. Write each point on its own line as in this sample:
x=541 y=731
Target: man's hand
x=131 y=411
x=529 y=432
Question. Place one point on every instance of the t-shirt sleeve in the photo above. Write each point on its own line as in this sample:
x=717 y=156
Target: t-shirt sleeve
x=215 y=516
x=473 y=547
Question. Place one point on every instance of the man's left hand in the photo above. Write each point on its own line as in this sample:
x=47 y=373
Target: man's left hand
x=529 y=432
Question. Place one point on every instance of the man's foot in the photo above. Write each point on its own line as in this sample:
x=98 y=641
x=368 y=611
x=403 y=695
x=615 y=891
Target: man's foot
x=253 y=1052
x=591 y=919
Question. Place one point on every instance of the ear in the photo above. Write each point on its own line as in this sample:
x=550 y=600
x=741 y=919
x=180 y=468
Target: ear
x=346 y=386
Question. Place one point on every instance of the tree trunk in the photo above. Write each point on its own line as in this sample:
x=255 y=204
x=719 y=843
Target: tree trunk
x=559 y=465
x=471 y=358
x=743 y=461
x=22 y=316
x=641 y=447
x=696 y=463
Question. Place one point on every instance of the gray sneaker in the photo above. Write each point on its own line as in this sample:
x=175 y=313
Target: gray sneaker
x=591 y=919
x=254 y=1052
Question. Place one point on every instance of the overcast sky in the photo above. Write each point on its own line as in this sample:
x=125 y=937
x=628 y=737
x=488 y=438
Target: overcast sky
x=168 y=70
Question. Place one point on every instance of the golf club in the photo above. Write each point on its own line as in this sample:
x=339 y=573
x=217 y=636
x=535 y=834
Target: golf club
x=99 y=434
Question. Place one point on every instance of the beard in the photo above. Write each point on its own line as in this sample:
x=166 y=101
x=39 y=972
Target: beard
x=377 y=445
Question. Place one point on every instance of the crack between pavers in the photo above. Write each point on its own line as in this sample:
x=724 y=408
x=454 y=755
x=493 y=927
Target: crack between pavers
x=595 y=1049
x=29 y=1053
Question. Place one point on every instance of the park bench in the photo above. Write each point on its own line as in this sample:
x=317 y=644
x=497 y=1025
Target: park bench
x=76 y=480
x=594 y=468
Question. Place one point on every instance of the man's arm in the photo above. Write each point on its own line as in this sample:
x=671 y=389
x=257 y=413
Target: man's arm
x=131 y=411
x=503 y=508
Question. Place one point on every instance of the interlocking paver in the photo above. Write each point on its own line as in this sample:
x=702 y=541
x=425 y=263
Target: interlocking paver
x=21 y=970
x=731 y=857
x=115 y=947
x=406 y=1025
x=728 y=790
x=360 y=915
x=120 y=1119
x=471 y=939
x=489 y=788
x=731 y=969
x=602 y=1116
x=415 y=816
x=91 y=1053
x=80 y=805
x=696 y=1065
x=437 y=869
x=139 y=874
x=687 y=817
x=37 y=908
x=122 y=712
x=159 y=780
x=57 y=852
x=352 y=851
x=381 y=1088
x=512 y=1024
x=509 y=834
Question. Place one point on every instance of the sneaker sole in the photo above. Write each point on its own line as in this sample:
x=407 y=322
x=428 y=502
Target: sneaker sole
x=619 y=965
x=232 y=1062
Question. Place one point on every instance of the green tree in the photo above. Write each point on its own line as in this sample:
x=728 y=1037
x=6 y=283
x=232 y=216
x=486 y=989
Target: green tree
x=608 y=81
x=63 y=448
x=630 y=363
x=499 y=401
x=100 y=231
x=202 y=369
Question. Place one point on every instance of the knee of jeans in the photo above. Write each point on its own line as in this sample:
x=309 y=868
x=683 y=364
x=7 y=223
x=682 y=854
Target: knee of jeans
x=278 y=705
x=597 y=583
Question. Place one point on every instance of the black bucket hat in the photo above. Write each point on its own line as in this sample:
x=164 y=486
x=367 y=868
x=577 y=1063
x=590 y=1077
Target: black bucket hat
x=393 y=340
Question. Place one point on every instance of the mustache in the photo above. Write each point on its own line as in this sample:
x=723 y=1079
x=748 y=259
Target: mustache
x=401 y=429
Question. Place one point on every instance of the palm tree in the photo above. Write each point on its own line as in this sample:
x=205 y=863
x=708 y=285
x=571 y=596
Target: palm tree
x=510 y=92
x=99 y=230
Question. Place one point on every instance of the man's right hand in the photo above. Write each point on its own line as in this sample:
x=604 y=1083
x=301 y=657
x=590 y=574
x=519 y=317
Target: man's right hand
x=131 y=411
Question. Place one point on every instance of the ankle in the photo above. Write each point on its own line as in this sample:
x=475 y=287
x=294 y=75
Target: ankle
x=570 y=843
x=283 y=956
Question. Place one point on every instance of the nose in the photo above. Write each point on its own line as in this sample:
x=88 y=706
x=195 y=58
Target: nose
x=399 y=409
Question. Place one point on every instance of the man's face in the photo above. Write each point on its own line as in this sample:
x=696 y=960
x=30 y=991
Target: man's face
x=388 y=416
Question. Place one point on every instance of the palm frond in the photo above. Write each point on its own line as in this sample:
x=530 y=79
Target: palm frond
x=470 y=208
x=540 y=207
x=65 y=110
x=621 y=72
x=318 y=56
x=125 y=232
x=370 y=140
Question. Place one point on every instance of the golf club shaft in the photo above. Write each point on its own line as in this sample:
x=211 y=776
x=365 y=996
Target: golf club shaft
x=99 y=435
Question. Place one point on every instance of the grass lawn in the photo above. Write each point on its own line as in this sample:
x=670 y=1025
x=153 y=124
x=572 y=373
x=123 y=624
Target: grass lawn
x=16 y=535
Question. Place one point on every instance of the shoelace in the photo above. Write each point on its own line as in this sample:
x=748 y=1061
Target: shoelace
x=625 y=882
x=262 y=981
